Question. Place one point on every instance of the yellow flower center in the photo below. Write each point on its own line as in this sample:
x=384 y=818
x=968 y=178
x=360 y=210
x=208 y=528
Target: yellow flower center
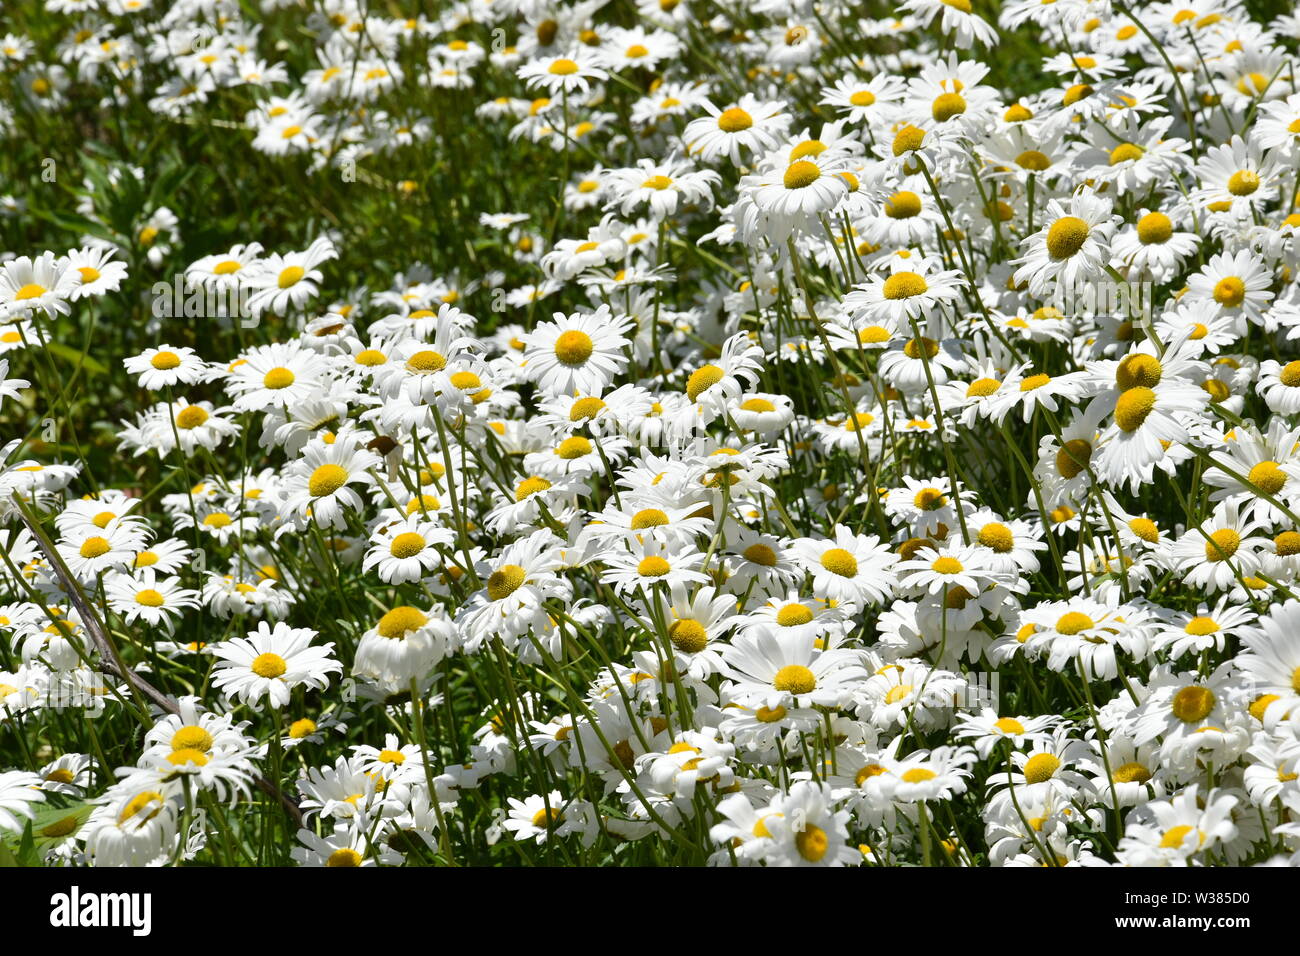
x=1154 y=228
x=1243 y=182
x=812 y=843
x=1041 y=767
x=278 y=378
x=801 y=174
x=1125 y=152
x=530 y=486
x=946 y=106
x=795 y=679
x=573 y=347
x=563 y=67
x=406 y=545
x=163 y=361
x=1230 y=292
x=1073 y=458
x=908 y=139
x=1074 y=622
x=426 y=361
x=904 y=285
x=505 y=581
x=1133 y=408
x=704 y=378
x=1222 y=545
x=192 y=737
x=648 y=518
x=326 y=480
x=190 y=417
x=996 y=536
x=1009 y=725
x=653 y=567
x=760 y=554
x=1066 y=237
x=735 y=120
x=1193 y=703
x=903 y=205
x=290 y=276
x=94 y=547
x=688 y=636
x=863 y=98
x=793 y=615
x=841 y=562
x=399 y=620
x=269 y=665
x=573 y=447
x=150 y=598
x=1268 y=477
x=1033 y=160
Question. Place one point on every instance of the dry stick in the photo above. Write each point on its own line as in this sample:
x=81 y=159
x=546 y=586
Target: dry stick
x=109 y=652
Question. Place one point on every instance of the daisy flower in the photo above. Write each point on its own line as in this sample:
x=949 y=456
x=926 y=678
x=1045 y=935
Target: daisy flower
x=270 y=662
x=849 y=568
x=578 y=353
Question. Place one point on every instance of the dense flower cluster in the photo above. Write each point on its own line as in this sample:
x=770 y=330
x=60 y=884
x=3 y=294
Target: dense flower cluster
x=853 y=459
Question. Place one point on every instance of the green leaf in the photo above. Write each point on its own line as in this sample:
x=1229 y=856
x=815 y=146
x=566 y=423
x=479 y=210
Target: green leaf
x=75 y=357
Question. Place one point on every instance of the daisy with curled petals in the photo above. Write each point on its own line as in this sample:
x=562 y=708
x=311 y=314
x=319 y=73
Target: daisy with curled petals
x=660 y=186
x=576 y=455
x=1208 y=629
x=861 y=101
x=1218 y=552
x=715 y=385
x=574 y=72
x=924 y=775
x=1238 y=284
x=404 y=645
x=289 y=281
x=1264 y=463
x=28 y=284
x=651 y=563
x=270 y=662
x=1238 y=175
x=748 y=126
x=516 y=585
x=1147 y=419
x=1152 y=244
x=1081 y=629
x=1072 y=248
x=775 y=673
x=225 y=270
x=696 y=626
x=924 y=506
x=641 y=517
x=406 y=550
x=318 y=487
x=986 y=729
x=850 y=567
x=578 y=353
x=914 y=289
x=794 y=617
x=94 y=271
x=805 y=829
x=790 y=197
x=167 y=365
x=943 y=571
x=132 y=824
x=956 y=19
